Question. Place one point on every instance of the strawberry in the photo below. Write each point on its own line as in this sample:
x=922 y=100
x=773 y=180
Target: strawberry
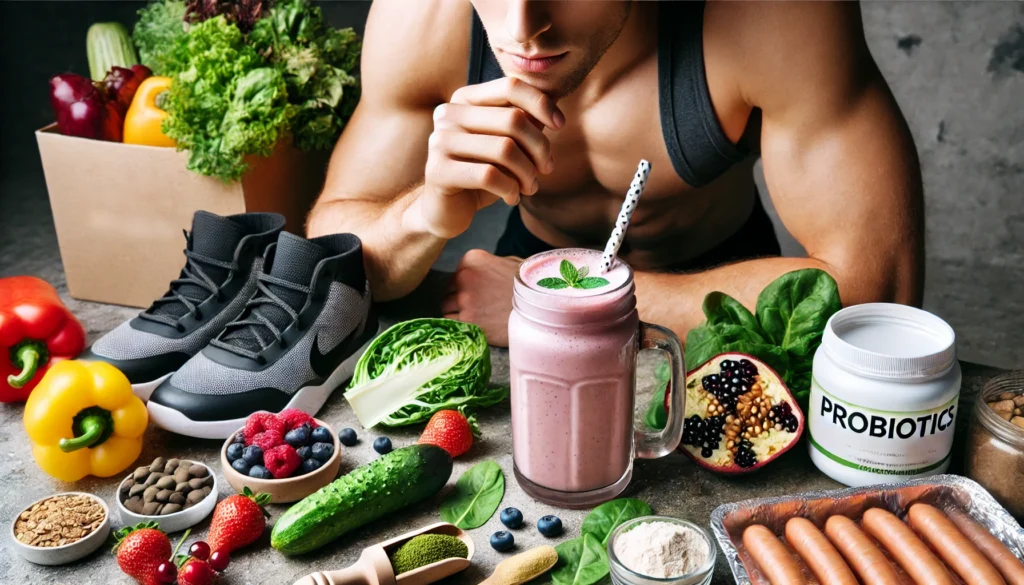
x=294 y=418
x=196 y=572
x=267 y=440
x=259 y=422
x=281 y=461
x=238 y=521
x=140 y=549
x=451 y=430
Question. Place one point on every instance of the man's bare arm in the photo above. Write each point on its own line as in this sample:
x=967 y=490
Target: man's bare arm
x=378 y=162
x=838 y=158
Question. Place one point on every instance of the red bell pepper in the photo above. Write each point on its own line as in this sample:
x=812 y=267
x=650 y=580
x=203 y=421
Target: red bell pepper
x=36 y=330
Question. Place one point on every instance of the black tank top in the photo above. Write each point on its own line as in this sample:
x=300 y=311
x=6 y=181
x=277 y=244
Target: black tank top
x=699 y=150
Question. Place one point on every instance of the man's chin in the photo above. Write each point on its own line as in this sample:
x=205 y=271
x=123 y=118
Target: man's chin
x=555 y=86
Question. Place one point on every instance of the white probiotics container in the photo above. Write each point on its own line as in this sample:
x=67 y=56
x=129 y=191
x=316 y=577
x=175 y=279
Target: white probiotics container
x=884 y=393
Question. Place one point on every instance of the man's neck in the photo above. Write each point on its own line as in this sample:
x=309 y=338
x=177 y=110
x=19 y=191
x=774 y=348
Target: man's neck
x=637 y=41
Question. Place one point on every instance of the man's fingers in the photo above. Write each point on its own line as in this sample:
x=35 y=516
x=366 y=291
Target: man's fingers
x=496 y=121
x=450 y=305
x=474 y=175
x=509 y=91
x=499 y=150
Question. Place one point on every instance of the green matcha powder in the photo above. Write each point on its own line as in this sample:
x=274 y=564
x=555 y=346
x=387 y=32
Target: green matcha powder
x=425 y=549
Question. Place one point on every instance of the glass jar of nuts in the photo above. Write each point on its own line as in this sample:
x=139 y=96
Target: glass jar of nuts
x=995 y=444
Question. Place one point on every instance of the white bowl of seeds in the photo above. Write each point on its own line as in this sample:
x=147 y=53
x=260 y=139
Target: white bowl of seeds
x=61 y=528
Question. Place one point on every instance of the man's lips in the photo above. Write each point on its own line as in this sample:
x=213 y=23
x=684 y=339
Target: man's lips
x=535 y=64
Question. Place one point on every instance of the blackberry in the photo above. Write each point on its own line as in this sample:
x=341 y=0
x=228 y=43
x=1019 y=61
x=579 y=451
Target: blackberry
x=705 y=434
x=783 y=414
x=744 y=456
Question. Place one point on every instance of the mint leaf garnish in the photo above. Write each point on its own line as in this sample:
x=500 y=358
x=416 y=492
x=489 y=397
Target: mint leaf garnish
x=554 y=283
x=569 y=272
x=591 y=282
x=582 y=272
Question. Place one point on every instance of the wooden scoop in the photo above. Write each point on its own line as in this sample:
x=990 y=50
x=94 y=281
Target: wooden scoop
x=374 y=565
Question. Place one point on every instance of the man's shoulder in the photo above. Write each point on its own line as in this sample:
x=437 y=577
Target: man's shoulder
x=772 y=49
x=419 y=49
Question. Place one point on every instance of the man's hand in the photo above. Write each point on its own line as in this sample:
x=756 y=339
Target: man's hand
x=487 y=144
x=481 y=293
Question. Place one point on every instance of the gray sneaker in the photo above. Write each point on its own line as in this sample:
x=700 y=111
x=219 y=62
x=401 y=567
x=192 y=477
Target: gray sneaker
x=223 y=255
x=296 y=342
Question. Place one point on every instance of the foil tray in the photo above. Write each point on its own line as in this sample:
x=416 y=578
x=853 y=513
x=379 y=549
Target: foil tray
x=945 y=492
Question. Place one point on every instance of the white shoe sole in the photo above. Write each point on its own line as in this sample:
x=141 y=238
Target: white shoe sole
x=309 y=399
x=145 y=389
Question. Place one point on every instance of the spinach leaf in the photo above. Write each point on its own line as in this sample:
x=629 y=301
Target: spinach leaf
x=581 y=561
x=476 y=497
x=605 y=518
x=794 y=308
x=656 y=417
x=721 y=309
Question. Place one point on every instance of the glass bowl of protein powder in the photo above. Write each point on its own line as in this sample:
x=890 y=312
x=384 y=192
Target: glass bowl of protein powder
x=660 y=549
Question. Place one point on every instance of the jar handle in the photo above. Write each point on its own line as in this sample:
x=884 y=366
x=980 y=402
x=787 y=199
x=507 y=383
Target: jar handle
x=652 y=445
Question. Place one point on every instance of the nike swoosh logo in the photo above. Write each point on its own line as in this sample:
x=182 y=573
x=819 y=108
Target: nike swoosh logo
x=324 y=364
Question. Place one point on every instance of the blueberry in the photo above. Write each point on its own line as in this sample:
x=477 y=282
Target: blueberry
x=305 y=452
x=321 y=435
x=549 y=526
x=348 y=437
x=323 y=451
x=297 y=437
x=311 y=465
x=235 y=451
x=239 y=438
x=260 y=472
x=253 y=455
x=502 y=541
x=240 y=465
x=382 y=445
x=511 y=518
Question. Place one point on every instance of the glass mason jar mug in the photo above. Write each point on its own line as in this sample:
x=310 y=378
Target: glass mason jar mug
x=573 y=343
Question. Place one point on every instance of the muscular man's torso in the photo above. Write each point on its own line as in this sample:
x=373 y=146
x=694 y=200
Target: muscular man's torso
x=608 y=130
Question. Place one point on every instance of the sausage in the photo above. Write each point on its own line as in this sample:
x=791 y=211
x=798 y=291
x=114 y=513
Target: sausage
x=866 y=559
x=773 y=558
x=1009 y=566
x=913 y=555
x=819 y=554
x=952 y=546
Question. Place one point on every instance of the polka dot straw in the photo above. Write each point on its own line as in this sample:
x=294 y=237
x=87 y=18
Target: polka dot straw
x=636 y=188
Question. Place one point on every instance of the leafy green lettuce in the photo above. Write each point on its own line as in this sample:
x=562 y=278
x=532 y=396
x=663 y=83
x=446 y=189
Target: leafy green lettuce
x=418 y=367
x=224 y=103
x=317 y=62
x=160 y=24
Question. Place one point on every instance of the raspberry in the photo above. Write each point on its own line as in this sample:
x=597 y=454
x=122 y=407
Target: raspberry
x=281 y=461
x=259 y=422
x=294 y=418
x=267 y=440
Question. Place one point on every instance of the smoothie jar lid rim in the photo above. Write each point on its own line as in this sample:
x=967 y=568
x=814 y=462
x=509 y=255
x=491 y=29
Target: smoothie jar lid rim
x=519 y=277
x=914 y=368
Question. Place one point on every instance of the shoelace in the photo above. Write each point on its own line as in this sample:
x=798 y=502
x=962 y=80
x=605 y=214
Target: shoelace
x=254 y=320
x=195 y=276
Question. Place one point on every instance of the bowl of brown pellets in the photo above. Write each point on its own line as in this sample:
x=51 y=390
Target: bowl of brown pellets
x=61 y=528
x=174 y=493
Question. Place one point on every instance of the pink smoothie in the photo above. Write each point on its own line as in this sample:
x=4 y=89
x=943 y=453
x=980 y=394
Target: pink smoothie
x=572 y=354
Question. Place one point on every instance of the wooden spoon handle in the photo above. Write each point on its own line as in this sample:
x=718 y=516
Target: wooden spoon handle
x=354 y=575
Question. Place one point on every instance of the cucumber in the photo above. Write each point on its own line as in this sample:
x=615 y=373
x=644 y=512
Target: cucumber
x=385 y=485
x=109 y=44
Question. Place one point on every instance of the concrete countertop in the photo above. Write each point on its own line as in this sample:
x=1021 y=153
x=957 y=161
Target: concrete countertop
x=673 y=486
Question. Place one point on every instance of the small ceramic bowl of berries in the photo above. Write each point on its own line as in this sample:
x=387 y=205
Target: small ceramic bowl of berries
x=288 y=455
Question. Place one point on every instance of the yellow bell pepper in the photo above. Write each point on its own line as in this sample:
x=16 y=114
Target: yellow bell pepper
x=142 y=123
x=83 y=419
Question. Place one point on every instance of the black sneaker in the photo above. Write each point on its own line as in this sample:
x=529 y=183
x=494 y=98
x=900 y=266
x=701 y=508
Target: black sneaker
x=296 y=342
x=223 y=255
